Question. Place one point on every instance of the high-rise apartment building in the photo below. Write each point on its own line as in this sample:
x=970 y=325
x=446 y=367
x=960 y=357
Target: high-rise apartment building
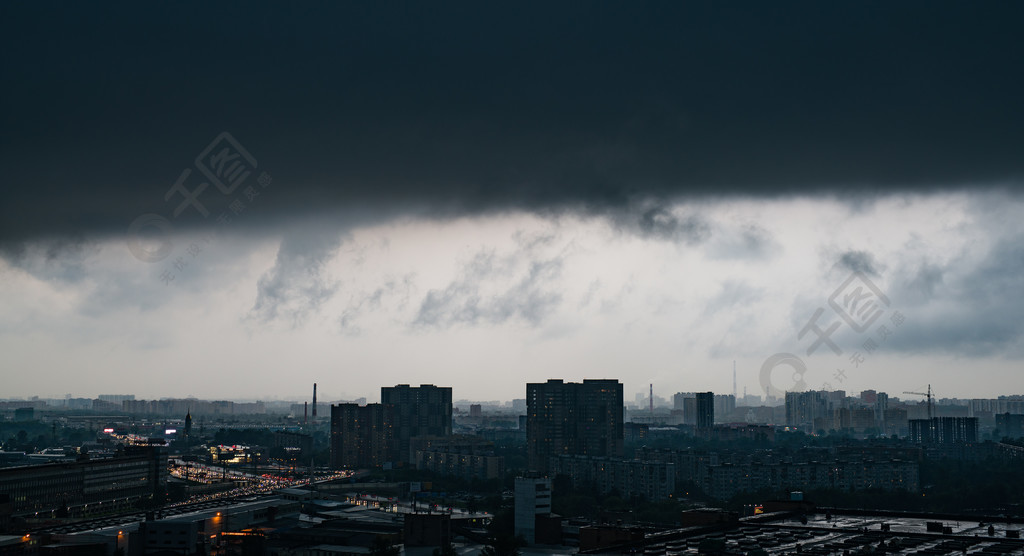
x=570 y=418
x=705 y=410
x=418 y=411
x=677 y=399
x=690 y=411
x=944 y=430
x=361 y=435
x=804 y=408
x=699 y=408
x=881 y=405
x=725 y=405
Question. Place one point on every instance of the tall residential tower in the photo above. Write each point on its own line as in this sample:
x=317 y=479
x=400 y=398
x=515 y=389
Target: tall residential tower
x=569 y=418
x=418 y=411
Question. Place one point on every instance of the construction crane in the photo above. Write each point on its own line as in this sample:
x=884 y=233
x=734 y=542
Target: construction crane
x=927 y=395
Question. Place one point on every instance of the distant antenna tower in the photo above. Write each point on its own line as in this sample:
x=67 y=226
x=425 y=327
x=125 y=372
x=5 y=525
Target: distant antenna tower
x=651 y=399
x=734 y=378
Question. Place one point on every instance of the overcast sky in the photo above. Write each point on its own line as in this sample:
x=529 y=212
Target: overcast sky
x=237 y=201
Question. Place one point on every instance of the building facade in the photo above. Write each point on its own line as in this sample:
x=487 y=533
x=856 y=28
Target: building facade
x=728 y=480
x=725 y=405
x=532 y=499
x=287 y=439
x=417 y=411
x=1010 y=424
x=651 y=480
x=461 y=465
x=944 y=430
x=568 y=418
x=88 y=486
x=705 y=410
x=361 y=435
x=808 y=410
x=463 y=456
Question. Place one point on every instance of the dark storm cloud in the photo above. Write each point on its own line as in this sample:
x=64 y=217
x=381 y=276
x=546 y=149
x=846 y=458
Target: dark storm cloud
x=660 y=223
x=59 y=259
x=477 y=107
x=858 y=261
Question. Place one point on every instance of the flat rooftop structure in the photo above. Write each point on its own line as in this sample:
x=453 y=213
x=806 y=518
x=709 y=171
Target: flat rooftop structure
x=786 y=533
x=195 y=511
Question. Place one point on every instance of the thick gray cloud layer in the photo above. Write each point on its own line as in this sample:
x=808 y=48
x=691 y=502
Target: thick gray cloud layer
x=455 y=108
x=527 y=289
x=967 y=308
x=298 y=285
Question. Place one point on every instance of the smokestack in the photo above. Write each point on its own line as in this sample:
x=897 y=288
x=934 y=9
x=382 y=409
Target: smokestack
x=305 y=412
x=314 y=400
x=651 y=399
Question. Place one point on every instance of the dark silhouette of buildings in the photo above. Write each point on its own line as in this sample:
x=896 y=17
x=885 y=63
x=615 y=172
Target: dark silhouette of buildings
x=361 y=435
x=1010 y=424
x=295 y=440
x=705 y=410
x=698 y=408
x=944 y=430
x=651 y=480
x=465 y=456
x=569 y=418
x=375 y=434
x=422 y=411
x=88 y=486
x=187 y=435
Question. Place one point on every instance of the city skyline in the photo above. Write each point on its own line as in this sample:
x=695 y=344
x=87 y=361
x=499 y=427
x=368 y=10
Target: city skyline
x=359 y=199
x=639 y=401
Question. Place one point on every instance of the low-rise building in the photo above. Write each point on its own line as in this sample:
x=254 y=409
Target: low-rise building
x=653 y=480
x=727 y=480
x=89 y=485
